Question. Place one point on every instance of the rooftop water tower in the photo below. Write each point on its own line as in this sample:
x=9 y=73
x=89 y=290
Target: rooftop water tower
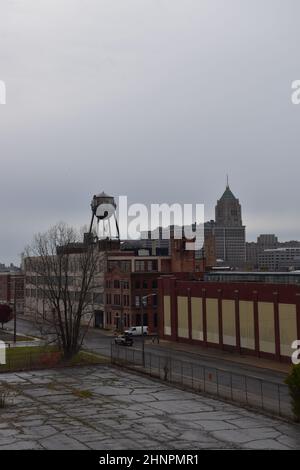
x=104 y=210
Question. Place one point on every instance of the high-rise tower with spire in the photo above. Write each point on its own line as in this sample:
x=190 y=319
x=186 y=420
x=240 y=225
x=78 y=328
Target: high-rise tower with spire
x=228 y=230
x=228 y=211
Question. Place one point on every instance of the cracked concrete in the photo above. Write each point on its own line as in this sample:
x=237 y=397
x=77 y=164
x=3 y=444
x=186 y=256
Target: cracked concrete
x=127 y=411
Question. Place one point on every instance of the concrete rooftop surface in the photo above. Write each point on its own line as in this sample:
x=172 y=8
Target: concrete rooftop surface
x=105 y=408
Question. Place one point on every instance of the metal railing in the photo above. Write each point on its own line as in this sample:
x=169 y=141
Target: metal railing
x=18 y=359
x=271 y=397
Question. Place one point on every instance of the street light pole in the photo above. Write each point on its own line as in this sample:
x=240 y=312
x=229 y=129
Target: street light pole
x=142 y=321
x=122 y=307
x=144 y=297
x=15 y=311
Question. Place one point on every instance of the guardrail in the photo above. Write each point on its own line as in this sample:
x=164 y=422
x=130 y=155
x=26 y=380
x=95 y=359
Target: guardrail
x=251 y=391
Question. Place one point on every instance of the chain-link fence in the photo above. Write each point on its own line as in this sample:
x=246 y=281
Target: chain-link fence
x=263 y=394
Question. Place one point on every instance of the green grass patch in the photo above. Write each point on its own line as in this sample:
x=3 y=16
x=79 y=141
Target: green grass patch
x=32 y=357
x=84 y=357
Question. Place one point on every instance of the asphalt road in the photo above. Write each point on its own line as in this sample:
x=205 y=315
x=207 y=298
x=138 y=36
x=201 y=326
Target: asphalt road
x=98 y=341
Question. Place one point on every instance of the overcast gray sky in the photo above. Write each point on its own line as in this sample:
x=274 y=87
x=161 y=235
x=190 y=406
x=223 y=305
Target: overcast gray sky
x=153 y=99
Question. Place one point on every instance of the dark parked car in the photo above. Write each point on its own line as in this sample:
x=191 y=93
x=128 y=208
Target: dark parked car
x=124 y=340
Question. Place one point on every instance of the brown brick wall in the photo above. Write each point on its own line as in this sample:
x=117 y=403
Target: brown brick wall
x=265 y=301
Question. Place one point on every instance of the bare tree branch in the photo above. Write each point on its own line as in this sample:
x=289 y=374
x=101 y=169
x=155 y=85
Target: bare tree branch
x=63 y=271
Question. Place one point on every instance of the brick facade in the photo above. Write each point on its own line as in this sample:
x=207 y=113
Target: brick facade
x=131 y=277
x=253 y=318
x=11 y=286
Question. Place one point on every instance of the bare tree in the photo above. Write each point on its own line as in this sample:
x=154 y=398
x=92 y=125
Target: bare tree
x=63 y=269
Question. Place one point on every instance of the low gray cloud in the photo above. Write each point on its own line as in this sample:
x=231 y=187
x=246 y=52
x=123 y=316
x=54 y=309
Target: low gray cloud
x=155 y=99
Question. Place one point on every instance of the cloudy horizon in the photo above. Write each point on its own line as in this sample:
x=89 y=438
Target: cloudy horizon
x=154 y=99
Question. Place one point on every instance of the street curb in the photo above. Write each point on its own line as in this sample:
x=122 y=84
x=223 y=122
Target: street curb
x=225 y=359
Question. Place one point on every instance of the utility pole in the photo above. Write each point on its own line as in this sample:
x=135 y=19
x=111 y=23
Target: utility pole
x=143 y=297
x=15 y=309
x=122 y=307
x=142 y=324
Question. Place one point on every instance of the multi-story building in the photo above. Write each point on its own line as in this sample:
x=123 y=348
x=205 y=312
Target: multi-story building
x=36 y=305
x=127 y=272
x=228 y=231
x=267 y=240
x=279 y=259
x=246 y=317
x=11 y=268
x=254 y=276
x=267 y=253
x=253 y=249
x=162 y=246
x=5 y=293
x=12 y=290
x=131 y=282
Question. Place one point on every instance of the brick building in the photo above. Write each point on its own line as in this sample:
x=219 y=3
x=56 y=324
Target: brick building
x=128 y=271
x=133 y=275
x=12 y=290
x=247 y=317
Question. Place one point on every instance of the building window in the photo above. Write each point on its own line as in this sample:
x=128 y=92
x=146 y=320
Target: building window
x=140 y=265
x=124 y=266
x=152 y=265
x=125 y=285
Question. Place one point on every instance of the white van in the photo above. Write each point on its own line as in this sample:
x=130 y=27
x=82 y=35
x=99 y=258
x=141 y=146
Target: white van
x=137 y=331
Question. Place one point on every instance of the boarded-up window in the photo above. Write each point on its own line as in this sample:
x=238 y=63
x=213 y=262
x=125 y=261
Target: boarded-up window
x=228 y=322
x=212 y=320
x=197 y=318
x=182 y=320
x=167 y=315
x=247 y=324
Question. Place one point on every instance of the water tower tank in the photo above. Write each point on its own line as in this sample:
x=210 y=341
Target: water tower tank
x=104 y=210
x=99 y=200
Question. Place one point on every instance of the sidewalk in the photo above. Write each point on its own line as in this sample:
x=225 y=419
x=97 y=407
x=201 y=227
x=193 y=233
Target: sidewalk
x=224 y=356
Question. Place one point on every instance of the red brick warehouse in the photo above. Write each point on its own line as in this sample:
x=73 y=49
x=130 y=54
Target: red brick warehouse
x=254 y=318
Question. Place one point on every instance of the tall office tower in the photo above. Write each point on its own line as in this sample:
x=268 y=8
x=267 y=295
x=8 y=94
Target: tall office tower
x=229 y=230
